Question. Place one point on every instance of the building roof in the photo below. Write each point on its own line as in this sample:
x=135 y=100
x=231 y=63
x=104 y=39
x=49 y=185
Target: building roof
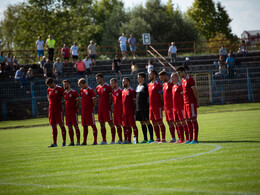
x=252 y=32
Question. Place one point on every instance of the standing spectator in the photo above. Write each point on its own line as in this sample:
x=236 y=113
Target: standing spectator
x=20 y=76
x=243 y=48
x=58 y=68
x=29 y=74
x=2 y=62
x=48 y=69
x=132 y=45
x=187 y=64
x=15 y=63
x=223 y=52
x=92 y=52
x=116 y=66
x=88 y=65
x=149 y=67
x=65 y=52
x=122 y=40
x=81 y=69
x=50 y=44
x=74 y=52
x=40 y=47
x=9 y=63
x=173 y=52
x=230 y=61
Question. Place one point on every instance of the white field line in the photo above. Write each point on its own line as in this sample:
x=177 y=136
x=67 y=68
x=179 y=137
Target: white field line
x=217 y=147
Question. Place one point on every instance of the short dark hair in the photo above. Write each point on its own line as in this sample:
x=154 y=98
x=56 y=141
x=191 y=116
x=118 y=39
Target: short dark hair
x=127 y=78
x=141 y=74
x=154 y=72
x=162 y=73
x=66 y=81
x=113 y=79
x=100 y=75
x=182 y=69
x=49 y=80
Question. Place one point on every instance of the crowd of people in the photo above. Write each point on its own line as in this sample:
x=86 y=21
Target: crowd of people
x=121 y=108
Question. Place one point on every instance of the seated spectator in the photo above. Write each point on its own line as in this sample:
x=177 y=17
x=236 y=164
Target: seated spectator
x=187 y=64
x=29 y=74
x=2 y=62
x=221 y=66
x=232 y=54
x=43 y=62
x=116 y=66
x=88 y=65
x=243 y=48
x=58 y=68
x=81 y=69
x=9 y=63
x=15 y=63
x=134 y=68
x=48 y=69
x=149 y=66
x=230 y=61
x=223 y=52
x=20 y=76
x=65 y=53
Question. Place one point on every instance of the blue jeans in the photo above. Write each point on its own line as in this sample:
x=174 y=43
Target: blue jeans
x=173 y=58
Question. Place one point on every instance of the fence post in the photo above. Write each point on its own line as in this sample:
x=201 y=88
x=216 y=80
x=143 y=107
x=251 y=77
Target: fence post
x=194 y=47
x=4 y=110
x=249 y=88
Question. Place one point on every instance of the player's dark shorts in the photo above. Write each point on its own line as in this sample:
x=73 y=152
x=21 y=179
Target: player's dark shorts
x=93 y=56
x=142 y=115
x=75 y=57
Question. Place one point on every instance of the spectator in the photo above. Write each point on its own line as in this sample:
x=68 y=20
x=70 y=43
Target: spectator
x=122 y=40
x=15 y=63
x=9 y=62
x=134 y=68
x=221 y=66
x=243 y=48
x=230 y=61
x=43 y=62
x=232 y=54
x=149 y=67
x=132 y=45
x=20 y=76
x=92 y=52
x=65 y=53
x=48 y=69
x=88 y=65
x=2 y=62
x=187 y=64
x=29 y=74
x=223 y=52
x=116 y=66
x=81 y=69
x=50 y=44
x=74 y=52
x=58 y=68
x=173 y=52
x=40 y=47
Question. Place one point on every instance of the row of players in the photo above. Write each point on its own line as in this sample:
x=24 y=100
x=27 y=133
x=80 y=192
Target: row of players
x=180 y=102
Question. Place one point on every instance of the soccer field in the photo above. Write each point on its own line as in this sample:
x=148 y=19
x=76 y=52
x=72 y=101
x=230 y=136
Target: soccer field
x=227 y=160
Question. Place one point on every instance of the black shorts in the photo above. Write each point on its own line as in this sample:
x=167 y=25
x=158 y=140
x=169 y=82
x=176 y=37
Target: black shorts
x=142 y=115
x=66 y=58
x=75 y=57
x=93 y=56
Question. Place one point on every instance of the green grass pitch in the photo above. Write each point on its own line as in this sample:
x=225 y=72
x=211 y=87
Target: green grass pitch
x=227 y=160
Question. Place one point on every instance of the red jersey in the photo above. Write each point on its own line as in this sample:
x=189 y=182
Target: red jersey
x=177 y=97
x=188 y=94
x=65 y=52
x=128 y=98
x=167 y=95
x=70 y=98
x=87 y=95
x=103 y=93
x=117 y=100
x=154 y=90
x=55 y=97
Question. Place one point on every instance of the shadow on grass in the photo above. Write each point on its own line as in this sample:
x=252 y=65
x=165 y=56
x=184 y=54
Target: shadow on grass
x=229 y=141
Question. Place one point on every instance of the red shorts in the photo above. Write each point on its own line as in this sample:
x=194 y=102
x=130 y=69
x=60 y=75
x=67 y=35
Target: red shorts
x=129 y=120
x=105 y=116
x=169 y=114
x=56 y=117
x=190 y=110
x=71 y=119
x=87 y=119
x=178 y=115
x=155 y=114
x=117 y=118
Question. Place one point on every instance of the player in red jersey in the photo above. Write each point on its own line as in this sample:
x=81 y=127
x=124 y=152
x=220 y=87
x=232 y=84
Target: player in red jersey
x=117 y=107
x=72 y=104
x=191 y=102
x=168 y=107
x=55 y=94
x=104 y=91
x=89 y=100
x=128 y=101
x=178 y=106
x=156 y=106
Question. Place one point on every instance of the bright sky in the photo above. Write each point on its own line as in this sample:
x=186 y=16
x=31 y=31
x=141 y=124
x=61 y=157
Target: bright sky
x=244 y=13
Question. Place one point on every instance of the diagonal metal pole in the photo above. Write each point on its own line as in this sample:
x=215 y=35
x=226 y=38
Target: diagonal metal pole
x=158 y=59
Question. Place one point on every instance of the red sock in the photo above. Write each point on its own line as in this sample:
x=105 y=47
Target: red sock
x=94 y=133
x=181 y=133
x=125 y=133
x=104 y=134
x=157 y=131
x=71 y=134
x=54 y=134
x=63 y=132
x=186 y=131
x=190 y=128
x=113 y=133
x=171 y=127
x=119 y=132
x=85 y=134
x=136 y=132
x=77 y=133
x=129 y=134
x=196 y=129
